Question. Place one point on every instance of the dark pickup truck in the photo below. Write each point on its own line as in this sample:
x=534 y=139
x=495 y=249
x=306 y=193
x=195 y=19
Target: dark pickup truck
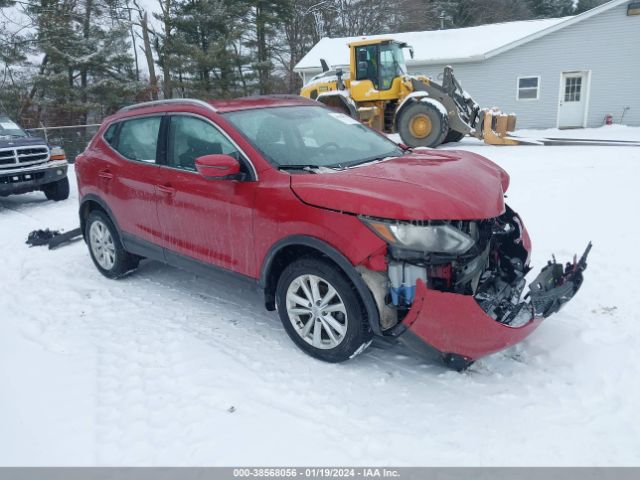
x=28 y=164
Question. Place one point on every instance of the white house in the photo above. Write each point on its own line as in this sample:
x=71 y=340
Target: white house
x=566 y=72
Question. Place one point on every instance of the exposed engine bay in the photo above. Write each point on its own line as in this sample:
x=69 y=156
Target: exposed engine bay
x=486 y=259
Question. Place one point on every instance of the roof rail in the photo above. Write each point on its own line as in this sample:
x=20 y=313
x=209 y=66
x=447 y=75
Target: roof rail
x=169 y=101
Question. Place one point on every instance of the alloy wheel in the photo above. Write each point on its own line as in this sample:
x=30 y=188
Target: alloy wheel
x=102 y=245
x=316 y=311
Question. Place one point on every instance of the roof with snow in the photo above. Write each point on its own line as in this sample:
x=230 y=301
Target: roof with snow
x=434 y=46
x=457 y=45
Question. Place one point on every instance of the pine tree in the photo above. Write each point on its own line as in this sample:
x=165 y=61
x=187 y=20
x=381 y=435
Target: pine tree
x=551 y=8
x=207 y=35
x=165 y=44
x=267 y=16
x=584 y=5
x=86 y=68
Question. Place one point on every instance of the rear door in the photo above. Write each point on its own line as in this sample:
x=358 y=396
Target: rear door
x=207 y=220
x=130 y=176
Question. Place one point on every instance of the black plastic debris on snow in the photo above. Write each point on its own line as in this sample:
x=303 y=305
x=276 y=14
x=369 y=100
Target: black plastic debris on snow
x=52 y=238
x=38 y=238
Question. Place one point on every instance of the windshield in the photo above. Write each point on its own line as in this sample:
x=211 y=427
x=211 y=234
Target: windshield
x=391 y=64
x=311 y=136
x=9 y=129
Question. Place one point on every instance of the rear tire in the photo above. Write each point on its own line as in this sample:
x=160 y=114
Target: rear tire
x=453 y=136
x=321 y=311
x=422 y=124
x=58 y=190
x=105 y=247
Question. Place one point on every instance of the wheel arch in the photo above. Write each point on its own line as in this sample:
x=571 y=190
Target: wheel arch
x=293 y=247
x=92 y=202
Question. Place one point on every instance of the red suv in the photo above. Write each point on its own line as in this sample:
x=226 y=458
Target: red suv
x=346 y=233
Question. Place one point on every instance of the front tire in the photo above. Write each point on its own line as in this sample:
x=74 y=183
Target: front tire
x=321 y=311
x=58 y=190
x=105 y=247
x=422 y=124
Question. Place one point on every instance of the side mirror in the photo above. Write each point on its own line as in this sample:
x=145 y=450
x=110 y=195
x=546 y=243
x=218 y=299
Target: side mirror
x=218 y=167
x=411 y=52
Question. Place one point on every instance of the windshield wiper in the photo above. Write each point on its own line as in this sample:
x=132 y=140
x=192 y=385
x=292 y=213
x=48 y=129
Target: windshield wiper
x=307 y=167
x=296 y=166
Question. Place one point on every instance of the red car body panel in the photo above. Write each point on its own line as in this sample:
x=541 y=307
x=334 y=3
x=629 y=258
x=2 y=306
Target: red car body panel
x=280 y=214
x=249 y=103
x=430 y=185
x=129 y=186
x=193 y=211
x=235 y=225
x=455 y=323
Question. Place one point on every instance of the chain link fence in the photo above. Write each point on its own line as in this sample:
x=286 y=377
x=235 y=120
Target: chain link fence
x=73 y=138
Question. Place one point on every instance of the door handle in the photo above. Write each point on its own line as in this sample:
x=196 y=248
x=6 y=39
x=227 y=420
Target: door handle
x=167 y=190
x=106 y=174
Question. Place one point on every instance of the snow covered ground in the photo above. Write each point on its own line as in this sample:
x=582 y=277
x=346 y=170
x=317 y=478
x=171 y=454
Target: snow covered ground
x=168 y=368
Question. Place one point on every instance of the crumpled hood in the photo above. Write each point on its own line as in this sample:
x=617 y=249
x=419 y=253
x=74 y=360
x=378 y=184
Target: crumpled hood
x=424 y=185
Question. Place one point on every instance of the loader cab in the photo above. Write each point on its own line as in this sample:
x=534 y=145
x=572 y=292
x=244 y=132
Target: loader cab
x=379 y=62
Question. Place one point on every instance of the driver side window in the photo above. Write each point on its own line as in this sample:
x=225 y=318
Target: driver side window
x=367 y=63
x=190 y=138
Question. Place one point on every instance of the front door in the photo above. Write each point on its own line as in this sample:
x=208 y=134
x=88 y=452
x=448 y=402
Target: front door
x=207 y=220
x=573 y=99
x=365 y=86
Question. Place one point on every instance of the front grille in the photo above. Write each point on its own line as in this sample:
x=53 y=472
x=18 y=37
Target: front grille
x=7 y=157
x=18 y=157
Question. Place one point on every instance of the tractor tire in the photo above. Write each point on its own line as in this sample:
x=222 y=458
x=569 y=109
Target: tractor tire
x=453 y=136
x=422 y=124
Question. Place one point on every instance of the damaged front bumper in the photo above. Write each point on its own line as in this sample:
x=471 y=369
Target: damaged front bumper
x=470 y=305
x=458 y=327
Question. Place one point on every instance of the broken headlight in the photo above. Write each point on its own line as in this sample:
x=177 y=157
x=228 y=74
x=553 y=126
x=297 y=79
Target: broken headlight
x=441 y=238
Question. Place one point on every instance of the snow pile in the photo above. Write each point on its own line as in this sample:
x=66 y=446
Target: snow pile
x=168 y=368
x=434 y=46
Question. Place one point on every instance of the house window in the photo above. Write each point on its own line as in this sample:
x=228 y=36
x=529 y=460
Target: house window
x=528 y=88
x=572 y=89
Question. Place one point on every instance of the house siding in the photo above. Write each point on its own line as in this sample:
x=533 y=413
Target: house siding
x=607 y=45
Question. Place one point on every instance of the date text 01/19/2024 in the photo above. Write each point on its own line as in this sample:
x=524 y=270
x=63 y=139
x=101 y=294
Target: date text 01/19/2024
x=320 y=472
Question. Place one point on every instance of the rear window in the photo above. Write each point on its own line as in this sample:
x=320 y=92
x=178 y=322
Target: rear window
x=136 y=139
x=110 y=134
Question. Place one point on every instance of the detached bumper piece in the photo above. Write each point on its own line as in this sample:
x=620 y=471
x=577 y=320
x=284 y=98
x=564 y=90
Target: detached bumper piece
x=463 y=331
x=554 y=286
x=52 y=238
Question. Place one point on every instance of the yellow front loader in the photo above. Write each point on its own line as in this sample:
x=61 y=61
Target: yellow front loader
x=378 y=91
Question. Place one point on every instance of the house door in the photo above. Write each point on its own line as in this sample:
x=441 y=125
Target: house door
x=573 y=99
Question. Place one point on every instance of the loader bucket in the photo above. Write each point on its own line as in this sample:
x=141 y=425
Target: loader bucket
x=496 y=126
